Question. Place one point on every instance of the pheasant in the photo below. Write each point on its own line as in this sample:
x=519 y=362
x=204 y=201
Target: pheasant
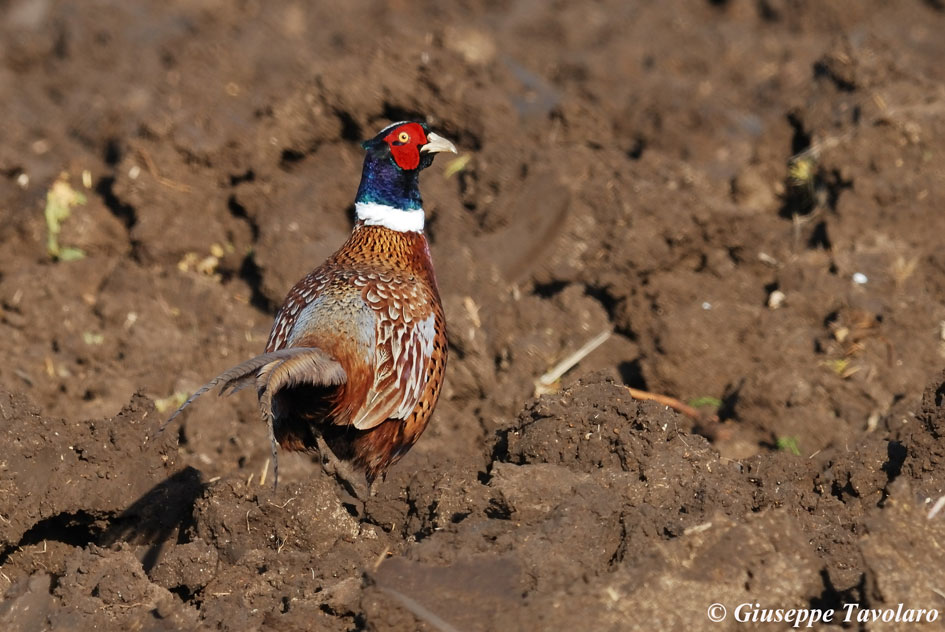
x=357 y=353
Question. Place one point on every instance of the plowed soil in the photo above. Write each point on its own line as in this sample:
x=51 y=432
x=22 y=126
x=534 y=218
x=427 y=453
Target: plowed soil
x=745 y=194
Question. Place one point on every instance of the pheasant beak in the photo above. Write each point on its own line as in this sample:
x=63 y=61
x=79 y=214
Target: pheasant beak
x=436 y=143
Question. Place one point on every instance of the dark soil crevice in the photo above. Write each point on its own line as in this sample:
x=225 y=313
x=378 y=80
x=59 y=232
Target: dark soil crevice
x=80 y=528
x=551 y=288
x=251 y=273
x=834 y=184
x=238 y=211
x=396 y=112
x=896 y=453
x=290 y=157
x=247 y=176
x=614 y=306
x=823 y=69
x=632 y=374
x=350 y=130
x=123 y=211
x=112 y=153
x=636 y=149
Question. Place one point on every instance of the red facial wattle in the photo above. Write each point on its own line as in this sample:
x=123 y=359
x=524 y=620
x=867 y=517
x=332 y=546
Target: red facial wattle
x=405 y=142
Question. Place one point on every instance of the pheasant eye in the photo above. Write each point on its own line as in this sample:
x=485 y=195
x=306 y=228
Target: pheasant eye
x=403 y=137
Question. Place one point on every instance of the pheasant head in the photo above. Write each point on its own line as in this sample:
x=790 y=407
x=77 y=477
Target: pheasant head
x=389 y=194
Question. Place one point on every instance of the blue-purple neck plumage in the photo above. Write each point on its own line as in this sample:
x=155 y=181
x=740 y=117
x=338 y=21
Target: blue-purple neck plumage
x=356 y=356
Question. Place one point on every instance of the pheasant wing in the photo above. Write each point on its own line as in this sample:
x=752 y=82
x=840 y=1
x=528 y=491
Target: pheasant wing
x=405 y=333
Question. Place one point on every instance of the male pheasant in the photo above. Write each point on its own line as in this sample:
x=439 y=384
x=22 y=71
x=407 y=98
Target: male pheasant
x=356 y=356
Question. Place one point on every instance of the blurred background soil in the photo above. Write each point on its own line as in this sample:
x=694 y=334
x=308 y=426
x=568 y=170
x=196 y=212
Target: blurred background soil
x=745 y=193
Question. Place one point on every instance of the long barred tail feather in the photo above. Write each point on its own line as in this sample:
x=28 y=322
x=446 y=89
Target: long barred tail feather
x=271 y=372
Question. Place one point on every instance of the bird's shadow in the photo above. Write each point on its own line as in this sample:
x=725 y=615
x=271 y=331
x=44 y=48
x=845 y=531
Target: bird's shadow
x=153 y=518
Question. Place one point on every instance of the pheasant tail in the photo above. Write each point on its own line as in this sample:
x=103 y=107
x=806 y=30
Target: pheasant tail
x=271 y=372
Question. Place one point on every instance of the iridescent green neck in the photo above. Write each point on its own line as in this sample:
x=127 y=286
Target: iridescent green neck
x=384 y=183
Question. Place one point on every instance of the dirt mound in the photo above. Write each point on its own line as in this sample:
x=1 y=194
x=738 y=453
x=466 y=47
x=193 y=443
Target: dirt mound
x=589 y=499
x=751 y=216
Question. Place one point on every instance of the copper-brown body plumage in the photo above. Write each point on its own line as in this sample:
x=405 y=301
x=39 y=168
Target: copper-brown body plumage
x=396 y=271
x=357 y=352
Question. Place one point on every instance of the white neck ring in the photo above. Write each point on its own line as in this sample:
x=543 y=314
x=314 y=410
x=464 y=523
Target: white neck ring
x=403 y=221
